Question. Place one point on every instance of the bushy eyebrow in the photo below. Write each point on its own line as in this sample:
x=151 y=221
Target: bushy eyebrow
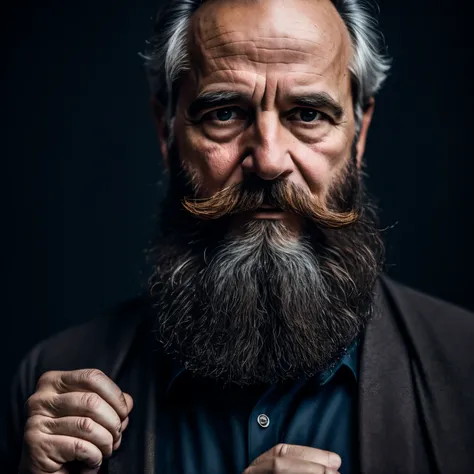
x=318 y=100
x=208 y=100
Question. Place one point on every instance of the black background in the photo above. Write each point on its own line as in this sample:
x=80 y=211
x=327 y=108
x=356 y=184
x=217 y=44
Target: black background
x=81 y=166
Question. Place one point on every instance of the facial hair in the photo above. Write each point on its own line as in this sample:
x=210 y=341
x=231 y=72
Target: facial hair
x=263 y=306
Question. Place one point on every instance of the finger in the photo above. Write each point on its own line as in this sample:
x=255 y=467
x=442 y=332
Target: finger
x=80 y=404
x=79 y=470
x=129 y=401
x=125 y=423
x=89 y=471
x=67 y=470
x=319 y=456
x=119 y=441
x=117 y=444
x=57 y=450
x=93 y=380
x=79 y=427
x=288 y=465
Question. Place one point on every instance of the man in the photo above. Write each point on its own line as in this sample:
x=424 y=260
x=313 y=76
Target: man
x=269 y=342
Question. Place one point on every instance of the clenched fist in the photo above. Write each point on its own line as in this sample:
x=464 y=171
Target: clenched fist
x=291 y=459
x=73 y=416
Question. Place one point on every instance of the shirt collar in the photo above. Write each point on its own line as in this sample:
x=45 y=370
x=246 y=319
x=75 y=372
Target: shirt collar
x=349 y=360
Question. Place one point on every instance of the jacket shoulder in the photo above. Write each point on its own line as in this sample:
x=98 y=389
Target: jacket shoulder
x=437 y=325
x=95 y=343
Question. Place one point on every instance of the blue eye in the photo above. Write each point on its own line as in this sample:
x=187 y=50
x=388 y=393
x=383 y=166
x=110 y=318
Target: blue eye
x=223 y=115
x=308 y=115
x=229 y=114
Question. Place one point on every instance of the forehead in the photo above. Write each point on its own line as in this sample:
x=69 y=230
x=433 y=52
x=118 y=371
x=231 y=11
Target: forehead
x=302 y=39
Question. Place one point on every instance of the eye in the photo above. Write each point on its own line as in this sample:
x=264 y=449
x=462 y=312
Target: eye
x=225 y=114
x=307 y=115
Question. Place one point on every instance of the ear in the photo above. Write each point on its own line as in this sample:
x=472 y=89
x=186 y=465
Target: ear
x=366 y=119
x=162 y=129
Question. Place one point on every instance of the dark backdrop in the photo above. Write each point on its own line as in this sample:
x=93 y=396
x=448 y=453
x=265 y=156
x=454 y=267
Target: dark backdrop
x=81 y=166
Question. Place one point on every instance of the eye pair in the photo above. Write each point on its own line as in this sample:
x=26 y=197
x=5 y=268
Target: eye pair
x=227 y=114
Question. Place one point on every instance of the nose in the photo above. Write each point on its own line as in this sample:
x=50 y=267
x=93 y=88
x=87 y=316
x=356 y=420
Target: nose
x=267 y=153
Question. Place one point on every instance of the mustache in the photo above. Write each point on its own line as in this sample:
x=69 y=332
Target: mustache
x=252 y=194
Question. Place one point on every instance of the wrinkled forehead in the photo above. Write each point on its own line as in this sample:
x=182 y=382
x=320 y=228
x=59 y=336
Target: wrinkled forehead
x=290 y=35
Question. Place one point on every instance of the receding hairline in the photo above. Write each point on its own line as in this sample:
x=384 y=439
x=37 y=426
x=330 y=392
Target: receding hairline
x=333 y=42
x=196 y=20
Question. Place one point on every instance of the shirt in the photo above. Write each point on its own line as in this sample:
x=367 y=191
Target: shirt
x=211 y=429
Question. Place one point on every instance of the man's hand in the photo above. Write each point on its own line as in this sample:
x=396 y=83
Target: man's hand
x=73 y=416
x=291 y=459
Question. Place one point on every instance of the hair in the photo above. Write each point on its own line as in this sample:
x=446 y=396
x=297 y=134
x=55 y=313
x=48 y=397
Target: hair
x=247 y=302
x=166 y=56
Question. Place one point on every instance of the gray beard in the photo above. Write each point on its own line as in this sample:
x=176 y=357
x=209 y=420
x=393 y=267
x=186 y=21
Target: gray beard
x=263 y=307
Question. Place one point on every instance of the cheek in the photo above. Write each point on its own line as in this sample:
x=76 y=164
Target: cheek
x=321 y=163
x=214 y=165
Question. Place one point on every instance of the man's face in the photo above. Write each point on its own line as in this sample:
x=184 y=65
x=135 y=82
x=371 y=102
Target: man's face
x=287 y=109
x=264 y=117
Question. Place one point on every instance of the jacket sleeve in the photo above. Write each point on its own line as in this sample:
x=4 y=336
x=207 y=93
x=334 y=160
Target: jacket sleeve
x=101 y=343
x=13 y=415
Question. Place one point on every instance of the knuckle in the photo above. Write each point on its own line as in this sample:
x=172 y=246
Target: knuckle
x=49 y=424
x=91 y=401
x=33 y=422
x=85 y=425
x=46 y=378
x=123 y=403
x=79 y=446
x=38 y=403
x=83 y=453
x=118 y=428
x=33 y=403
x=31 y=438
x=89 y=376
x=280 y=450
x=53 y=404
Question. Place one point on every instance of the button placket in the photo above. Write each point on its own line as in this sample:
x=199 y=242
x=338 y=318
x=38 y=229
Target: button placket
x=262 y=434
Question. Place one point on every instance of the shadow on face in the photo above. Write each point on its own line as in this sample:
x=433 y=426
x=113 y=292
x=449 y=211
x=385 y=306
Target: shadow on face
x=268 y=93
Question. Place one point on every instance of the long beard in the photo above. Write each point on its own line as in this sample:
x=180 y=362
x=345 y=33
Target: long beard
x=262 y=306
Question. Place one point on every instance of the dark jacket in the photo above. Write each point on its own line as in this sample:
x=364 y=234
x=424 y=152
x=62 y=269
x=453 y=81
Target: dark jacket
x=416 y=387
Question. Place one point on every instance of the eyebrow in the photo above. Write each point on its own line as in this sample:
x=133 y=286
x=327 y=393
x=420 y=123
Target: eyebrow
x=319 y=100
x=209 y=100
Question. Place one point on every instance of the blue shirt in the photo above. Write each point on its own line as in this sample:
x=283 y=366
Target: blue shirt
x=209 y=429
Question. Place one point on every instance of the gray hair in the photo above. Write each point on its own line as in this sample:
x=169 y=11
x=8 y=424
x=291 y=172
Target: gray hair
x=166 y=56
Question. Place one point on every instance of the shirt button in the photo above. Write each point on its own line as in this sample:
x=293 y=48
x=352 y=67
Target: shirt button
x=263 y=420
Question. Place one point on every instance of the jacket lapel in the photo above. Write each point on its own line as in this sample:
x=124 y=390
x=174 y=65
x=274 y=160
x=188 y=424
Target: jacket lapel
x=136 y=454
x=390 y=434
x=138 y=377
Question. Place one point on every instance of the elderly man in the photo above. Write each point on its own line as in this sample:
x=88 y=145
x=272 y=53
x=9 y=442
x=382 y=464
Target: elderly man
x=269 y=341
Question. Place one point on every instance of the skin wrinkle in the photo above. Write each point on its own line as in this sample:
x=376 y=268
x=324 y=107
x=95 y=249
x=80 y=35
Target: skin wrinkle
x=262 y=38
x=238 y=298
x=222 y=174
